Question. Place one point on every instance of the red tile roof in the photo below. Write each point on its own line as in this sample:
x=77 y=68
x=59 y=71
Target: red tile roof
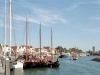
x=14 y=47
x=46 y=47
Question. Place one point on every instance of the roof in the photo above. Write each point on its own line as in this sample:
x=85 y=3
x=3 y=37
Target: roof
x=54 y=49
x=46 y=47
x=27 y=46
x=14 y=47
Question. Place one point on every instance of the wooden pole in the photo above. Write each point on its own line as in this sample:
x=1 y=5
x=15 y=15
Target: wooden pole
x=51 y=48
x=26 y=35
x=40 y=40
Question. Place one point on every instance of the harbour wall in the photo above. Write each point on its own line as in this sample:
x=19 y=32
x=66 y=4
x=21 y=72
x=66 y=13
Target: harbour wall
x=96 y=59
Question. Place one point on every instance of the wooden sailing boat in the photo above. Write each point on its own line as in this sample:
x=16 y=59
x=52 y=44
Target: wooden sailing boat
x=27 y=63
x=75 y=55
x=32 y=61
x=53 y=63
x=40 y=40
x=38 y=62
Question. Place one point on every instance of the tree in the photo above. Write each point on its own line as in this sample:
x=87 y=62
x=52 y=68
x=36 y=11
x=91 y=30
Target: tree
x=65 y=50
x=59 y=49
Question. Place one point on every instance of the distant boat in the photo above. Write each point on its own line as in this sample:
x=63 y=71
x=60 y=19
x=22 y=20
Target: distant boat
x=63 y=56
x=70 y=59
x=75 y=56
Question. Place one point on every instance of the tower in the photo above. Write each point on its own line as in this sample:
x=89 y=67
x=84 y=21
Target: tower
x=93 y=49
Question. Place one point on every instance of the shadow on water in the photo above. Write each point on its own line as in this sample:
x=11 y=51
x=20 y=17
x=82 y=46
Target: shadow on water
x=38 y=71
x=35 y=69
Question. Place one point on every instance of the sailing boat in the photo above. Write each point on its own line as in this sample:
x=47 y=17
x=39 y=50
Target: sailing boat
x=53 y=63
x=75 y=55
x=27 y=63
x=30 y=60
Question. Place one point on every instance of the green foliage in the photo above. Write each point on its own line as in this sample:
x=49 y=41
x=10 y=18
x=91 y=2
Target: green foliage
x=36 y=49
x=89 y=51
x=60 y=49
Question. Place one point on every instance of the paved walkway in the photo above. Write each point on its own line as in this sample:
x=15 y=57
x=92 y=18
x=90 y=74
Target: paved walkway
x=1 y=69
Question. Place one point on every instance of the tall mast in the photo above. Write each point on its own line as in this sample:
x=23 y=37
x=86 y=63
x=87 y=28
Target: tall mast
x=26 y=35
x=51 y=45
x=10 y=25
x=40 y=39
x=5 y=27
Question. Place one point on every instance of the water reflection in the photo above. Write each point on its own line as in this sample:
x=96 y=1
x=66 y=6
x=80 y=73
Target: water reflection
x=39 y=71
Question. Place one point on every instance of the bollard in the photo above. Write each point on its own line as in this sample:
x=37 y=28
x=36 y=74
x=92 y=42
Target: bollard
x=2 y=60
x=4 y=64
x=18 y=69
x=11 y=65
x=7 y=66
x=0 y=56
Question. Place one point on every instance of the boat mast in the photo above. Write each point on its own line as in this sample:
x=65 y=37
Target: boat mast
x=10 y=25
x=51 y=45
x=26 y=35
x=5 y=28
x=40 y=39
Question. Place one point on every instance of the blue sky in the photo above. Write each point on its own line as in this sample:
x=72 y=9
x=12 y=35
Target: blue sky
x=74 y=22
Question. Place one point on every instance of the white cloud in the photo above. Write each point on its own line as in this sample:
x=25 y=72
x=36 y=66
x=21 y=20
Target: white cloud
x=95 y=18
x=81 y=27
x=21 y=18
x=74 y=5
x=92 y=30
x=38 y=14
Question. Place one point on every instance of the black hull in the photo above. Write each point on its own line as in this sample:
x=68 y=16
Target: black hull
x=63 y=56
x=34 y=64
x=54 y=64
x=40 y=64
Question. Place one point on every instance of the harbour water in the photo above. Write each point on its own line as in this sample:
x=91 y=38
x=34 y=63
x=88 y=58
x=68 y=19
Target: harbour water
x=82 y=66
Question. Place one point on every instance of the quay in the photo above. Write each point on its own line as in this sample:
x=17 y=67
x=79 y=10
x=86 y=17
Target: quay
x=96 y=59
x=5 y=66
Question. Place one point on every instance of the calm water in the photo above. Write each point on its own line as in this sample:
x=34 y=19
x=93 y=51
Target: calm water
x=82 y=66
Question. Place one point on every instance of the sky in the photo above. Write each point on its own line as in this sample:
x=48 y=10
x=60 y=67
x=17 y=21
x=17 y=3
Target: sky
x=75 y=23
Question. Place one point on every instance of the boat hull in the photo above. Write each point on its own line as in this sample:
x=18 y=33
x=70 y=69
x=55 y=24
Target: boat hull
x=34 y=64
x=75 y=58
x=63 y=56
x=40 y=64
x=53 y=64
